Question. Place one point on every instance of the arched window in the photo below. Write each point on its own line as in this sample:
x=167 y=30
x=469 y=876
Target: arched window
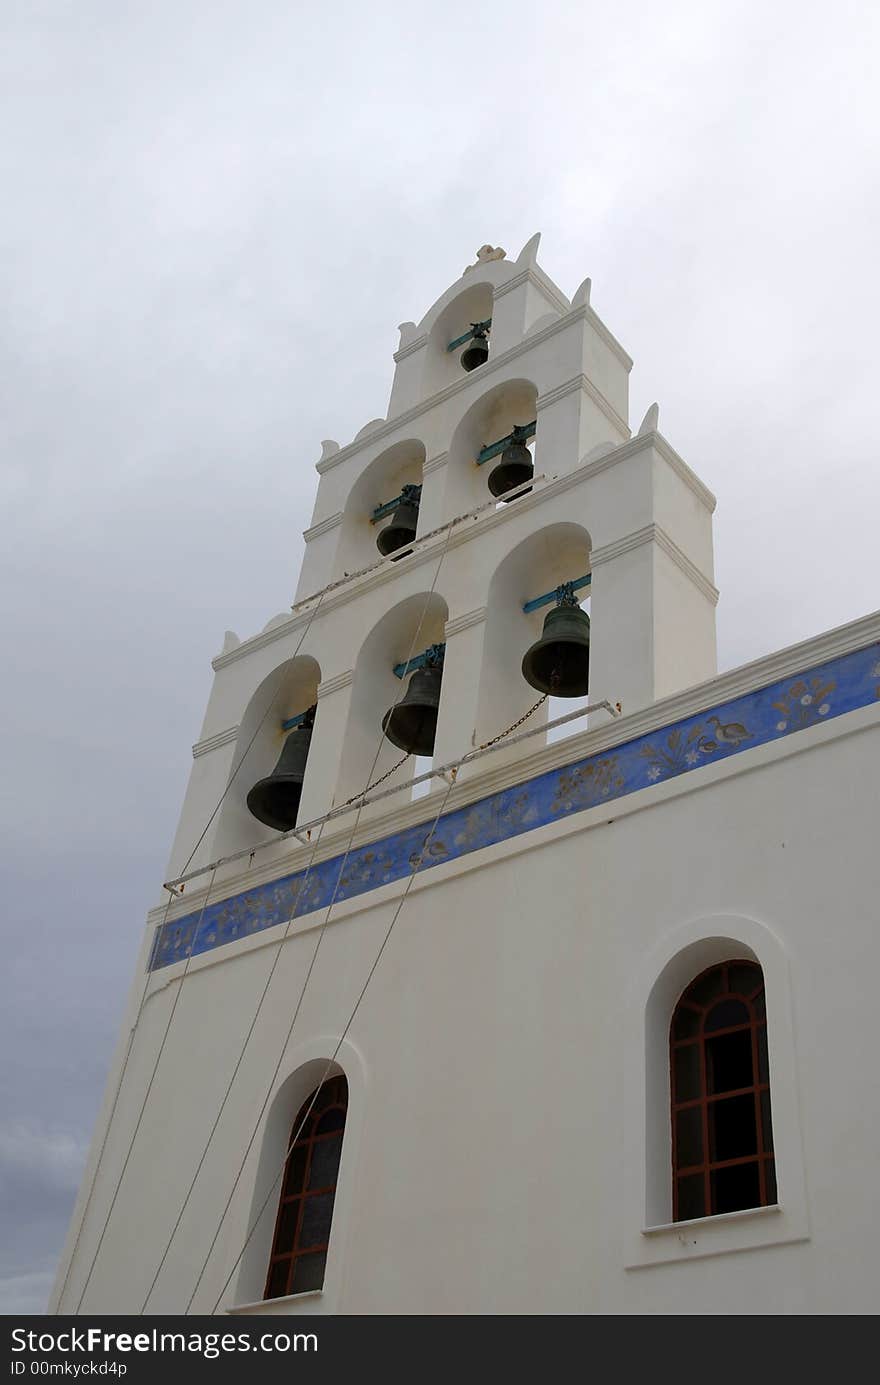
x=722 y=1137
x=305 y=1211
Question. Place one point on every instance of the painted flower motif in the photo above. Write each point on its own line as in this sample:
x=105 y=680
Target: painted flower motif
x=781 y=725
x=875 y=671
x=824 y=709
x=654 y=772
x=692 y=757
x=806 y=700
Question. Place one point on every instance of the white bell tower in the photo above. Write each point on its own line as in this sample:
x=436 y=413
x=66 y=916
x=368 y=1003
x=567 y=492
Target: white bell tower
x=625 y=510
x=248 y=910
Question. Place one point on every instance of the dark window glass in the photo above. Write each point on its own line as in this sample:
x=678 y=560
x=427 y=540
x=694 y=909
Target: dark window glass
x=735 y=1187
x=689 y=1137
x=729 y=1062
x=722 y=1016
x=305 y=1212
x=725 y=1014
x=325 y=1162
x=687 y=1071
x=691 y=1197
x=732 y=1131
x=687 y=1022
x=277 y=1285
x=308 y=1272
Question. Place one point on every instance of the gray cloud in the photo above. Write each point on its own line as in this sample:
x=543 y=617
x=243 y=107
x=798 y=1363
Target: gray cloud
x=215 y=216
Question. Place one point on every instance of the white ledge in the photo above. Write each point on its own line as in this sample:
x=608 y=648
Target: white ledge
x=719 y=1218
x=266 y=1307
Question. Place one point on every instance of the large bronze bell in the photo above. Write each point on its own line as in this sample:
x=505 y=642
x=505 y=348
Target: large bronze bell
x=477 y=350
x=275 y=799
x=412 y=724
x=515 y=468
x=559 y=662
x=401 y=531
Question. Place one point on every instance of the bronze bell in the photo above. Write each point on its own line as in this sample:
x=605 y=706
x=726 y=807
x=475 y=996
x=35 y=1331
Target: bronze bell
x=401 y=531
x=559 y=662
x=275 y=799
x=515 y=468
x=477 y=350
x=412 y=724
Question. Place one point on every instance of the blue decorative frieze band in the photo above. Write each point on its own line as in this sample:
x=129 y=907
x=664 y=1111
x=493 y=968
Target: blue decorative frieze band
x=757 y=718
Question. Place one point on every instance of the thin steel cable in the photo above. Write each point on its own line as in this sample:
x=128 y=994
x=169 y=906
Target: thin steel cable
x=147 y=985
x=131 y=1143
x=283 y=939
x=108 y=1123
x=395 y=916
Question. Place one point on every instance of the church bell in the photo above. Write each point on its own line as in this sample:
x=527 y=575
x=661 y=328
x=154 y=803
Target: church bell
x=412 y=724
x=515 y=468
x=477 y=349
x=559 y=662
x=401 y=531
x=275 y=799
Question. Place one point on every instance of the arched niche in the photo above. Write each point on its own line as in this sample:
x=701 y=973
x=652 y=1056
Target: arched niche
x=490 y=418
x=285 y=692
x=276 y=1133
x=443 y=367
x=404 y=631
x=558 y=553
x=382 y=480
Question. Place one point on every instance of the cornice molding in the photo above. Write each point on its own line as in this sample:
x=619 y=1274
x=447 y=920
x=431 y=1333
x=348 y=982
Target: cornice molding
x=584 y=384
x=532 y=275
x=403 y=420
x=656 y=534
x=411 y=347
x=323 y=526
x=214 y=742
x=689 y=568
x=332 y=685
x=464 y=622
x=435 y=463
x=654 y=442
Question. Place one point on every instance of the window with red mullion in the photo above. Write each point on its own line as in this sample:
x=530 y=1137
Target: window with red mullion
x=722 y=1144
x=305 y=1209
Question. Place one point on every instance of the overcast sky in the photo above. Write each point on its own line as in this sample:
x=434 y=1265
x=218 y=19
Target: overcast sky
x=215 y=216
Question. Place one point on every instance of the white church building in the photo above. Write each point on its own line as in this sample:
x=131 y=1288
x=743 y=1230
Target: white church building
x=510 y=959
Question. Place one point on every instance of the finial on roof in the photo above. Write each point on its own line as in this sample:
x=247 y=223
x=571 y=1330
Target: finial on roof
x=651 y=422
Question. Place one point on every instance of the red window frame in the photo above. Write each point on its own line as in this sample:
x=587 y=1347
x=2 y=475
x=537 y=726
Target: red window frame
x=740 y=981
x=296 y=1263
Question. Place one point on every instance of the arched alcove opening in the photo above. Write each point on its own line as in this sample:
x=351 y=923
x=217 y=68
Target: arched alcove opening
x=442 y=366
x=276 y=1141
x=403 y=632
x=553 y=555
x=381 y=481
x=493 y=416
x=286 y=692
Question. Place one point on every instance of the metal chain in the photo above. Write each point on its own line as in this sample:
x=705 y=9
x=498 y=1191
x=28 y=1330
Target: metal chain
x=376 y=782
x=525 y=716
